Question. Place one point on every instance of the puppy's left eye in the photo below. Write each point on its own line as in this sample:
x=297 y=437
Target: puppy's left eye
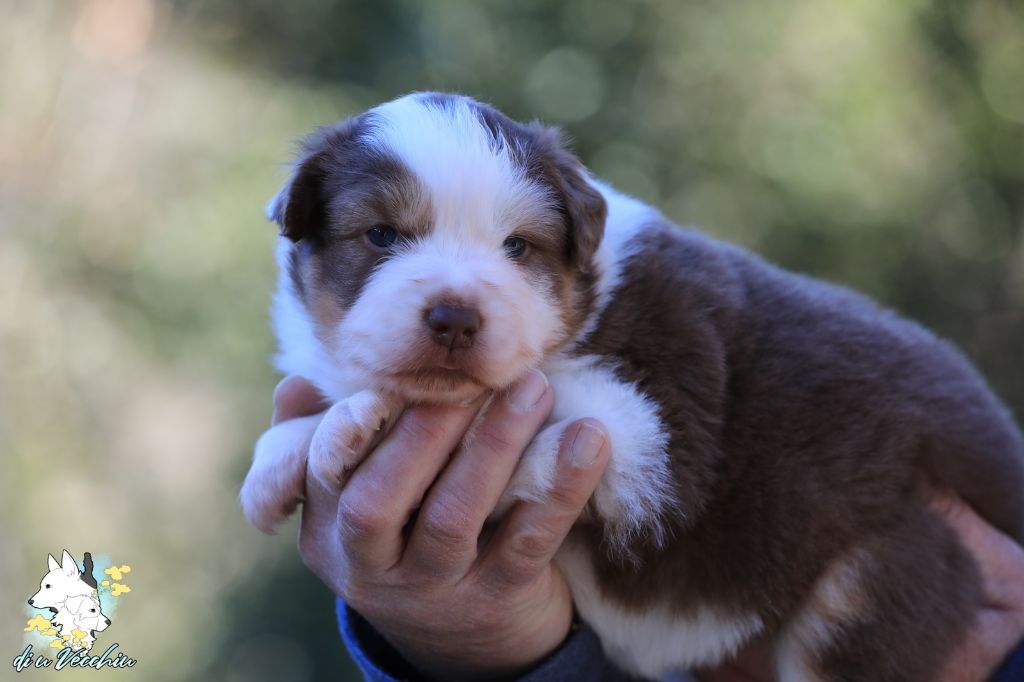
x=92 y=610
x=514 y=246
x=382 y=236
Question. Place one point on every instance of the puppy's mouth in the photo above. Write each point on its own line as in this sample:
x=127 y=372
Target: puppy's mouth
x=439 y=375
x=436 y=384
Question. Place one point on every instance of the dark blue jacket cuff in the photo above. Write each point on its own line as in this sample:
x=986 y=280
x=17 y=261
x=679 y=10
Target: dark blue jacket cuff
x=1012 y=669
x=578 y=658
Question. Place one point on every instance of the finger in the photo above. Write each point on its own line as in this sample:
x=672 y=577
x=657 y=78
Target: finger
x=294 y=397
x=991 y=637
x=454 y=511
x=387 y=487
x=1000 y=560
x=319 y=520
x=319 y=543
x=527 y=540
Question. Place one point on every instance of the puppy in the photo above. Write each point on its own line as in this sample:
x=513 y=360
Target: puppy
x=79 y=619
x=774 y=438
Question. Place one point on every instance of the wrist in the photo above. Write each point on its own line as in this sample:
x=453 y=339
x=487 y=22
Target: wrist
x=507 y=658
x=483 y=653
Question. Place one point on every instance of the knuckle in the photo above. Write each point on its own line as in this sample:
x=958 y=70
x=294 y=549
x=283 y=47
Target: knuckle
x=512 y=571
x=525 y=553
x=532 y=545
x=566 y=499
x=359 y=518
x=448 y=520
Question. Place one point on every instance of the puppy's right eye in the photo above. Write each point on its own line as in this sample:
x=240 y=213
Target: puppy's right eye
x=47 y=586
x=382 y=236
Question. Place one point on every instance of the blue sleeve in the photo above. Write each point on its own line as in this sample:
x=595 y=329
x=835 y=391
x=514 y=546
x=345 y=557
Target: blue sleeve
x=578 y=658
x=1012 y=669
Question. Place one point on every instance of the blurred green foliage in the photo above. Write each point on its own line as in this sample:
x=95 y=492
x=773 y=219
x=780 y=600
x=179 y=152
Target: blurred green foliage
x=874 y=143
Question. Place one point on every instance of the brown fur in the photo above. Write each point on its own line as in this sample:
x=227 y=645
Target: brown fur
x=805 y=424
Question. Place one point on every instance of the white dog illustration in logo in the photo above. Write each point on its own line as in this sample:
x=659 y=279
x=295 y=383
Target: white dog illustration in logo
x=72 y=597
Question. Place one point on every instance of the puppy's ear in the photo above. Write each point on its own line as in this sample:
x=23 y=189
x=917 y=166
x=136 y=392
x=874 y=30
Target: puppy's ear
x=74 y=605
x=300 y=208
x=584 y=206
x=51 y=563
x=68 y=565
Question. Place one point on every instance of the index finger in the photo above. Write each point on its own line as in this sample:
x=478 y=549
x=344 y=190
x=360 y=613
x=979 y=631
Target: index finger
x=386 y=489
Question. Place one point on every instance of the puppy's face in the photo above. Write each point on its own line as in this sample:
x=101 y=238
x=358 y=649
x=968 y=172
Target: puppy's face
x=437 y=248
x=87 y=614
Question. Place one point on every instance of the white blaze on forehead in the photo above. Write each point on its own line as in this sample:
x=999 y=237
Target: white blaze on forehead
x=477 y=190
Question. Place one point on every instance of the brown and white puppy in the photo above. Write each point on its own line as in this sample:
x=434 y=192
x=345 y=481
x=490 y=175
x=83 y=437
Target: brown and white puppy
x=773 y=437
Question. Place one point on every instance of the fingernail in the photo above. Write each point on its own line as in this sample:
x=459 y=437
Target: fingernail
x=586 y=445
x=528 y=391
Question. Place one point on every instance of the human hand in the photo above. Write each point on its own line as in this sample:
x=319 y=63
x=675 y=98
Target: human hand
x=998 y=626
x=405 y=543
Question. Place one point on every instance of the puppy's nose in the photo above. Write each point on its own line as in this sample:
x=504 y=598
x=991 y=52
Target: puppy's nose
x=31 y=603
x=108 y=621
x=453 y=326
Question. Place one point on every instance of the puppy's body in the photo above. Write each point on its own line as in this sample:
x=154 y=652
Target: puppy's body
x=802 y=423
x=771 y=435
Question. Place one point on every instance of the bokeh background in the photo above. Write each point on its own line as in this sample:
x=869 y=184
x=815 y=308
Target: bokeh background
x=874 y=143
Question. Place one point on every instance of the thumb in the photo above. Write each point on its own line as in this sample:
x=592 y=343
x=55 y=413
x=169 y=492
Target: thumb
x=294 y=397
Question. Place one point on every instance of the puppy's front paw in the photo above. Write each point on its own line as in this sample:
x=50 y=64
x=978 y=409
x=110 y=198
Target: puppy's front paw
x=276 y=480
x=346 y=433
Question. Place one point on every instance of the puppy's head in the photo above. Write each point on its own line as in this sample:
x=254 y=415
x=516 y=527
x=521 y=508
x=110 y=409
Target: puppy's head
x=61 y=581
x=436 y=248
x=87 y=614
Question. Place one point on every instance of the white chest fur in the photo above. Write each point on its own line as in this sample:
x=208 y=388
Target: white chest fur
x=653 y=642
